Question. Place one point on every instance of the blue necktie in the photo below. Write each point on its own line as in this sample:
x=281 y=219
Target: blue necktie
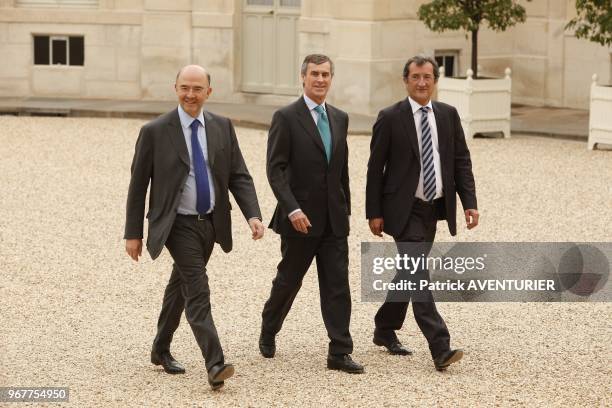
x=323 y=126
x=199 y=168
x=429 y=172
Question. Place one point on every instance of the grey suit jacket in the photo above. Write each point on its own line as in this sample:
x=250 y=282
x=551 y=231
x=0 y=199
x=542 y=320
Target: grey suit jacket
x=161 y=158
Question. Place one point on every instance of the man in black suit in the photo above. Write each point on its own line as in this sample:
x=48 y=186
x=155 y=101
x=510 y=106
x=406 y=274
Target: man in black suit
x=192 y=159
x=419 y=161
x=307 y=166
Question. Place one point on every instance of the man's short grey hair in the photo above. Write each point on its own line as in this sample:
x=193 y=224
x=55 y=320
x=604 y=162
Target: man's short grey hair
x=419 y=61
x=317 y=59
x=178 y=74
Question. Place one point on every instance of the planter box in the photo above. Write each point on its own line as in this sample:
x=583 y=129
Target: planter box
x=600 y=114
x=483 y=104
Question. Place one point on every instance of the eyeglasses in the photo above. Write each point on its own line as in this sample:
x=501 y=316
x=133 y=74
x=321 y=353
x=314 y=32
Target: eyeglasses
x=193 y=89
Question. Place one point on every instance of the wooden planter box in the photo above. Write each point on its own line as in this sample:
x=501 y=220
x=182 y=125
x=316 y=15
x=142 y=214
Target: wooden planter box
x=483 y=104
x=600 y=114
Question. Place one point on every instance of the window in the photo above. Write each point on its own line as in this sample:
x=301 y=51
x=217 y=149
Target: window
x=58 y=3
x=283 y=3
x=260 y=2
x=291 y=3
x=59 y=50
x=448 y=60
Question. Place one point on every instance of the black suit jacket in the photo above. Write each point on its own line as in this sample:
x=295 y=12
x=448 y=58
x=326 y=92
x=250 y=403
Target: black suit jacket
x=161 y=157
x=395 y=165
x=300 y=176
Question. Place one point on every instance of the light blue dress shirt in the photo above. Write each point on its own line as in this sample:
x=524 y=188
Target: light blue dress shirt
x=311 y=107
x=189 y=198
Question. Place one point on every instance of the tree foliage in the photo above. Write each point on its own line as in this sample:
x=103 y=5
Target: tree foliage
x=442 y=15
x=594 y=21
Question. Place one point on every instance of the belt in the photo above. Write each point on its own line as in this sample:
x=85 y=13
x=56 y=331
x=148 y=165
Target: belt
x=423 y=202
x=197 y=217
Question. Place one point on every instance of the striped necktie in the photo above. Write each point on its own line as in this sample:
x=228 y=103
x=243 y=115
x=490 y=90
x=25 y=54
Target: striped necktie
x=429 y=172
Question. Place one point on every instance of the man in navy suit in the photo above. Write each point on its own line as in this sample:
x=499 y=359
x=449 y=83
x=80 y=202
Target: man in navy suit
x=307 y=165
x=419 y=162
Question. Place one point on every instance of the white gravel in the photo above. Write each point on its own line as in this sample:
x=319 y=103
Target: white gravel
x=77 y=312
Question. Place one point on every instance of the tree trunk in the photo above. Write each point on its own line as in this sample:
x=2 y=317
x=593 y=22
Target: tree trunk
x=475 y=53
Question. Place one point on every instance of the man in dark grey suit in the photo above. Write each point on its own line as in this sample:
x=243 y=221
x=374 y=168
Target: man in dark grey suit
x=419 y=162
x=192 y=159
x=307 y=166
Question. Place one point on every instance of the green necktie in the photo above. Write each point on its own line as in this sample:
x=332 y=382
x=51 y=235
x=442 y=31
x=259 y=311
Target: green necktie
x=323 y=126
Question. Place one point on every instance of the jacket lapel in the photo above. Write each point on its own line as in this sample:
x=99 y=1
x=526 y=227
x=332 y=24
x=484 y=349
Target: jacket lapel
x=213 y=138
x=443 y=133
x=407 y=118
x=335 y=126
x=177 y=138
x=305 y=119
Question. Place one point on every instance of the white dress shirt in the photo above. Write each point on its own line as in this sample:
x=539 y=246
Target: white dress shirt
x=436 y=148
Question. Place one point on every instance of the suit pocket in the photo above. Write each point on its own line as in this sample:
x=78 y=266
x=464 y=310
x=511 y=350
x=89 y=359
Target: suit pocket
x=153 y=214
x=389 y=189
x=219 y=152
x=221 y=163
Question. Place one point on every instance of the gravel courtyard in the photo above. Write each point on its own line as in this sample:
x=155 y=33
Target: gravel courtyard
x=77 y=312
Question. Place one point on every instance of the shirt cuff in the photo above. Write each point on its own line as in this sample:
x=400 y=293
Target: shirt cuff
x=294 y=211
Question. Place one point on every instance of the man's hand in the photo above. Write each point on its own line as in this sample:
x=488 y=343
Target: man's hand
x=300 y=222
x=257 y=228
x=376 y=226
x=471 y=218
x=133 y=247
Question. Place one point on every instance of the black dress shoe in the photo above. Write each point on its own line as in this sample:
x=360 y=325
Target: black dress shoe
x=267 y=346
x=447 y=358
x=394 y=347
x=218 y=374
x=165 y=359
x=343 y=362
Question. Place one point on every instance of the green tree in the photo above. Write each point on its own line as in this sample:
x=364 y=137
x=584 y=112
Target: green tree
x=442 y=15
x=594 y=21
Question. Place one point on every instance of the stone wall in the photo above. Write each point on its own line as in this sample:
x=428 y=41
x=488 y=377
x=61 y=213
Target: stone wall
x=112 y=53
x=133 y=49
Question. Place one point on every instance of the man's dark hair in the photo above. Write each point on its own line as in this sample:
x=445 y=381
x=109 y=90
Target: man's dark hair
x=419 y=61
x=317 y=59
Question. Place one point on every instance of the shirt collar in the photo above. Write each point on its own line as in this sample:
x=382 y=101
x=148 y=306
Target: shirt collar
x=186 y=118
x=312 y=104
x=416 y=106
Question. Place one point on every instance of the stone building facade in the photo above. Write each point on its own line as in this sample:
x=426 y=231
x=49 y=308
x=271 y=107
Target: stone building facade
x=131 y=49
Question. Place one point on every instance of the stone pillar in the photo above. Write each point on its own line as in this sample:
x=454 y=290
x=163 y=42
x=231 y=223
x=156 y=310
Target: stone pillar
x=166 y=46
x=213 y=46
x=369 y=41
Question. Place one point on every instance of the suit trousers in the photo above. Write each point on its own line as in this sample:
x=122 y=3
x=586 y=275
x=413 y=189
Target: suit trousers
x=190 y=244
x=331 y=254
x=418 y=236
